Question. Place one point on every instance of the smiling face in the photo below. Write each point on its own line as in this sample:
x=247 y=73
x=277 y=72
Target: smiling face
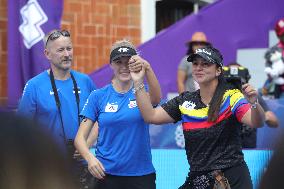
x=60 y=53
x=120 y=69
x=204 y=72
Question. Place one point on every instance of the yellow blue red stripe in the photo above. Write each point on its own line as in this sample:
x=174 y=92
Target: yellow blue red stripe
x=197 y=118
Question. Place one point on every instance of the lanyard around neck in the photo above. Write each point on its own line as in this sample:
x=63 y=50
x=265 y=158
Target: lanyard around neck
x=58 y=104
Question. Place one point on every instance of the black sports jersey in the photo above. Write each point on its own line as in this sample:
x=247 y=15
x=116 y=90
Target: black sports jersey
x=210 y=145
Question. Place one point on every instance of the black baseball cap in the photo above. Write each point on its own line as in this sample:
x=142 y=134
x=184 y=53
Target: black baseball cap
x=122 y=51
x=210 y=54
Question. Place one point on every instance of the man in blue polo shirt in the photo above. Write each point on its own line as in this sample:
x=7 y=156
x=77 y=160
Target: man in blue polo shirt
x=56 y=96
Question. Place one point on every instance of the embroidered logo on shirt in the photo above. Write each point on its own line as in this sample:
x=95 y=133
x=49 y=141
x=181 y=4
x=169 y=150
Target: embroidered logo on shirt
x=79 y=90
x=110 y=107
x=52 y=93
x=132 y=104
x=188 y=105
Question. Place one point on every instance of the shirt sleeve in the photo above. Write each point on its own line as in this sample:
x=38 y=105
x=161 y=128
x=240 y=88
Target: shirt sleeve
x=27 y=104
x=92 y=85
x=239 y=105
x=91 y=108
x=184 y=64
x=172 y=108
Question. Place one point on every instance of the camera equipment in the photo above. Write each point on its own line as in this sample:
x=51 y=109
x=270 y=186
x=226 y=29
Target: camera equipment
x=236 y=75
x=236 y=81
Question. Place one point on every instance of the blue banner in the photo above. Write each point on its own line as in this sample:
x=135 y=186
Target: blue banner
x=28 y=21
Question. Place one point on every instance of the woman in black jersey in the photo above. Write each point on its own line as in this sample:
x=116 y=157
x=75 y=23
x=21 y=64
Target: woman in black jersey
x=211 y=119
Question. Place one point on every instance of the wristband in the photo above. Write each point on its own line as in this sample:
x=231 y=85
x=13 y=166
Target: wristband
x=253 y=105
x=136 y=89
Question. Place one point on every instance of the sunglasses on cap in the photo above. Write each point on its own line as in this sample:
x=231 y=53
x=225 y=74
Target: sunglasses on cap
x=56 y=34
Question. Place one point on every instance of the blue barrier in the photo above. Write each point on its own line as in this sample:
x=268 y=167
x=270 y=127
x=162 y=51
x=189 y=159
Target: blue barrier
x=172 y=167
x=267 y=137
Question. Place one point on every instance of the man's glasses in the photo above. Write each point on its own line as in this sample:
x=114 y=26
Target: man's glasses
x=56 y=34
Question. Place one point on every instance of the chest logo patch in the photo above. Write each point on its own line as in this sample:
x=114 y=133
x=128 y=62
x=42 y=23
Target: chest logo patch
x=51 y=92
x=188 y=105
x=111 y=107
x=132 y=104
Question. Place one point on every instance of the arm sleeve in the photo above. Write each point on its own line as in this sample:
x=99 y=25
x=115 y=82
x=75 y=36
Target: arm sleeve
x=239 y=105
x=27 y=104
x=172 y=108
x=184 y=64
x=91 y=84
x=91 y=107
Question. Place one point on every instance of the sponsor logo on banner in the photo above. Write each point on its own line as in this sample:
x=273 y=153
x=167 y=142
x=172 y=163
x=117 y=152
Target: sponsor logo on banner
x=33 y=17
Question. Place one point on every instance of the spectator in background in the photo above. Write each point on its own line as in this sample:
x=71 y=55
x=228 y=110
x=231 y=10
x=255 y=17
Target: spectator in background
x=123 y=154
x=56 y=96
x=185 y=81
x=274 y=85
x=249 y=135
x=29 y=158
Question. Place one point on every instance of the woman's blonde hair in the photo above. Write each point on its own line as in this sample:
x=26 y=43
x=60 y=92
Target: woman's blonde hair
x=123 y=42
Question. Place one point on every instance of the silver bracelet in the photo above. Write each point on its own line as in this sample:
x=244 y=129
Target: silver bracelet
x=136 y=89
x=253 y=105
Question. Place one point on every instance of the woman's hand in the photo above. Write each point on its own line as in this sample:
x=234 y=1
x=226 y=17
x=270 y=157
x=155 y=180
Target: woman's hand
x=137 y=66
x=255 y=116
x=95 y=167
x=250 y=93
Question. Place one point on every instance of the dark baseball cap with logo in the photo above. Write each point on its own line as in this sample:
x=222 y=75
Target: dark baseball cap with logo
x=122 y=51
x=210 y=54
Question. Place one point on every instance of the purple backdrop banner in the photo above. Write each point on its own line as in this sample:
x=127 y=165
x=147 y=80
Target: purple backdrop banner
x=229 y=25
x=28 y=21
